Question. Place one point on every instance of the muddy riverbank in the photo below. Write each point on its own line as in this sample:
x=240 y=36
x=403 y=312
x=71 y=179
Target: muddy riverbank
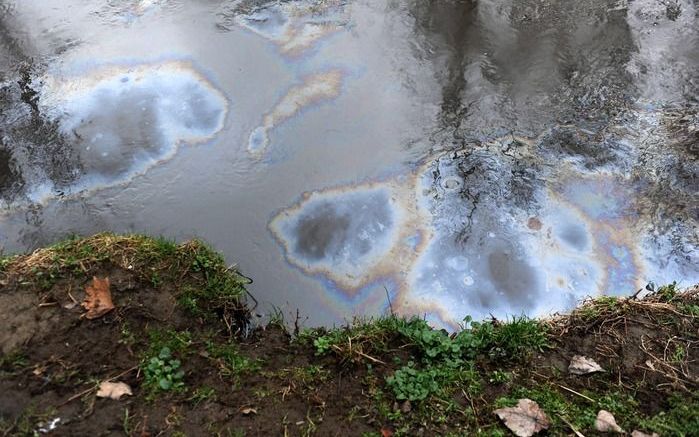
x=172 y=323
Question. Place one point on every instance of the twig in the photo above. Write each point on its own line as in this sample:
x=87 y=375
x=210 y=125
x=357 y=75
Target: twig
x=370 y=358
x=577 y=433
x=577 y=393
x=475 y=414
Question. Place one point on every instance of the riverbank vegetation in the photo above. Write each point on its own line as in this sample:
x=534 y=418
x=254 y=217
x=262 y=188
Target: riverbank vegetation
x=129 y=335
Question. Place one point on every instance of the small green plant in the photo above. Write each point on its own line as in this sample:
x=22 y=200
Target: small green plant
x=514 y=339
x=681 y=419
x=679 y=355
x=500 y=377
x=12 y=362
x=231 y=361
x=689 y=309
x=127 y=337
x=175 y=341
x=323 y=344
x=5 y=261
x=163 y=373
x=410 y=383
x=203 y=393
x=433 y=344
x=668 y=292
x=156 y=280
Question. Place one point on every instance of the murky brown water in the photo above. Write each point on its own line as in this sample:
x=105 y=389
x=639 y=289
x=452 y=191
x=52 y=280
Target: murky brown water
x=460 y=157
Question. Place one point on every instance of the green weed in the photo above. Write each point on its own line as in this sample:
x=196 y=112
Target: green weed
x=202 y=394
x=231 y=362
x=176 y=341
x=667 y=292
x=163 y=372
x=680 y=420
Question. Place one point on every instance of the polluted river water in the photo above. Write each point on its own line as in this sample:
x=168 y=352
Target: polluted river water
x=439 y=158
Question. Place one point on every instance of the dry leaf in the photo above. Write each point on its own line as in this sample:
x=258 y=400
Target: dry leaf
x=98 y=300
x=526 y=419
x=606 y=423
x=386 y=432
x=580 y=365
x=638 y=433
x=247 y=411
x=113 y=390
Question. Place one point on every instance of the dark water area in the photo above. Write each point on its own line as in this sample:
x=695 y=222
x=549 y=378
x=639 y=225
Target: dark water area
x=453 y=157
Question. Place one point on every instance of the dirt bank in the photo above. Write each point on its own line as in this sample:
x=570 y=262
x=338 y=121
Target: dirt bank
x=178 y=337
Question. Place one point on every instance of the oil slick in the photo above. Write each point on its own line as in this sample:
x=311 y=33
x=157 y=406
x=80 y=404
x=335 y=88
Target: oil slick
x=294 y=26
x=465 y=240
x=349 y=236
x=122 y=120
x=314 y=89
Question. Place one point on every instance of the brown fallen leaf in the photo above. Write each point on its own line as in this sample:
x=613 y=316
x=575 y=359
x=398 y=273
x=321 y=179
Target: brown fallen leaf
x=606 y=423
x=98 y=300
x=248 y=410
x=580 y=365
x=386 y=432
x=526 y=419
x=113 y=390
x=638 y=433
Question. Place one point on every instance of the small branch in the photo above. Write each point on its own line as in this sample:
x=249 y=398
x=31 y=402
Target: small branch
x=577 y=393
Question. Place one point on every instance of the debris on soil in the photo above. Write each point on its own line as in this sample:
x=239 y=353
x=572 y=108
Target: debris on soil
x=248 y=410
x=524 y=420
x=113 y=390
x=98 y=298
x=180 y=338
x=606 y=422
x=386 y=432
x=643 y=434
x=580 y=365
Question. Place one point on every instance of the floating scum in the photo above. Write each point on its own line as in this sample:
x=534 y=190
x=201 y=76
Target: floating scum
x=124 y=119
x=458 y=236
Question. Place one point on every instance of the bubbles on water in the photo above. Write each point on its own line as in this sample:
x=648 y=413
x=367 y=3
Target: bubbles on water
x=314 y=89
x=122 y=120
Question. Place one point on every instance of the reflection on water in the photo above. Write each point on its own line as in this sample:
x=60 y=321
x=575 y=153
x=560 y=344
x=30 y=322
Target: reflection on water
x=455 y=157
